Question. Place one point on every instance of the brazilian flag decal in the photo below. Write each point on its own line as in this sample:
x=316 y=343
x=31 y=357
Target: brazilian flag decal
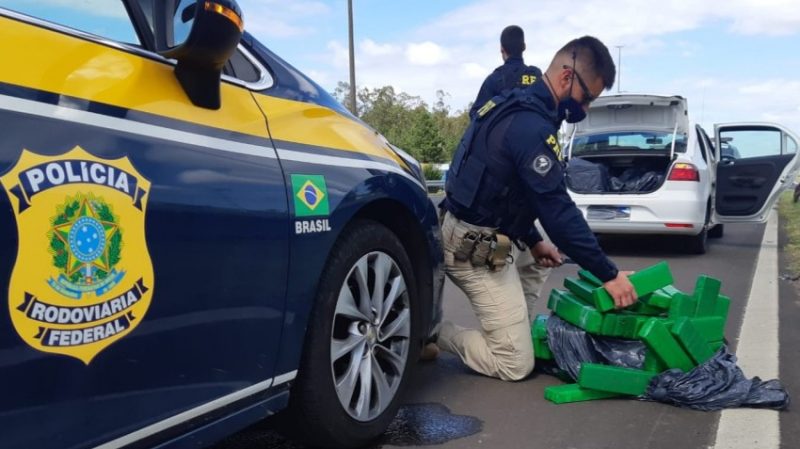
x=310 y=195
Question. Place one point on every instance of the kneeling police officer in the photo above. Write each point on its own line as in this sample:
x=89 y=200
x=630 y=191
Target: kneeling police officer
x=506 y=173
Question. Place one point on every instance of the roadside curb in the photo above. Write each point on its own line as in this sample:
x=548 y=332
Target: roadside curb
x=757 y=351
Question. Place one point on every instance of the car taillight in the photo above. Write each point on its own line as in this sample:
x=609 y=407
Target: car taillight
x=684 y=172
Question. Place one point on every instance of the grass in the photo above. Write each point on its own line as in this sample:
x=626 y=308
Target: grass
x=790 y=220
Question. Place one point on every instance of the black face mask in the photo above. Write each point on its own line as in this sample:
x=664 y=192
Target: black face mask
x=571 y=110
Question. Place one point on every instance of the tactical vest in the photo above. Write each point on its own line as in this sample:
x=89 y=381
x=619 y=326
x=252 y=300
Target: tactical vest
x=479 y=183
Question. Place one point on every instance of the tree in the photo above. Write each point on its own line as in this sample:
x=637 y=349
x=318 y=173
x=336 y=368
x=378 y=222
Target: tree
x=425 y=140
x=429 y=134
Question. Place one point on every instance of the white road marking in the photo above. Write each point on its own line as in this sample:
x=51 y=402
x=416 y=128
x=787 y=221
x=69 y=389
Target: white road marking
x=757 y=353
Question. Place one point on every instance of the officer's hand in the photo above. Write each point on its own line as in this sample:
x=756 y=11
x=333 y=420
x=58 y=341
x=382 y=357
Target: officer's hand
x=546 y=255
x=621 y=289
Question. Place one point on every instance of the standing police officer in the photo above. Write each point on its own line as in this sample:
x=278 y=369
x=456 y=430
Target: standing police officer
x=506 y=173
x=513 y=73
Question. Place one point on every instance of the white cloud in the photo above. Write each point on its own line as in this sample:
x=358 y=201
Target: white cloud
x=339 y=55
x=729 y=100
x=279 y=19
x=102 y=8
x=371 y=48
x=769 y=17
x=475 y=71
x=426 y=53
x=456 y=50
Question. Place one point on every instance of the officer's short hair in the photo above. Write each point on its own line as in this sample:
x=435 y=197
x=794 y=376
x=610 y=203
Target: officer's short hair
x=593 y=55
x=512 y=39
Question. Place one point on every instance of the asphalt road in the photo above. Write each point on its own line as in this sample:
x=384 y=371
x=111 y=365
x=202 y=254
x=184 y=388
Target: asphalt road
x=448 y=406
x=517 y=415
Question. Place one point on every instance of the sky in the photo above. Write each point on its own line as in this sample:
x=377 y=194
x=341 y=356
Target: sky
x=734 y=60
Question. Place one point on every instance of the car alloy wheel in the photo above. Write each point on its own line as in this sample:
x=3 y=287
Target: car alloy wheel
x=370 y=336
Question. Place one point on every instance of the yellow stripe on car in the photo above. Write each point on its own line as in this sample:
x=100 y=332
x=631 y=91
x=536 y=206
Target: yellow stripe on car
x=88 y=70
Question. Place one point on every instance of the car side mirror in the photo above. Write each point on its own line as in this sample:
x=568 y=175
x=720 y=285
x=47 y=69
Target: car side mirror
x=201 y=35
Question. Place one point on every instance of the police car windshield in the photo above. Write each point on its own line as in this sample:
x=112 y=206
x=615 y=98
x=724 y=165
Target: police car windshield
x=628 y=141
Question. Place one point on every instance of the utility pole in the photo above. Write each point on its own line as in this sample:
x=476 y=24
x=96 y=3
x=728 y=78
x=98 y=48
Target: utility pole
x=619 y=67
x=352 y=59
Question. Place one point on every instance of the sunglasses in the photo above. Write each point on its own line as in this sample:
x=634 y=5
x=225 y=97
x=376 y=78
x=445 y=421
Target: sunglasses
x=587 y=96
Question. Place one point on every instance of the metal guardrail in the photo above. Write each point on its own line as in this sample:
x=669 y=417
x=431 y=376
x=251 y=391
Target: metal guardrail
x=435 y=186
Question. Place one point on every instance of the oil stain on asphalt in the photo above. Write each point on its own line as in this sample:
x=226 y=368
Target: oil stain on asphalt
x=415 y=425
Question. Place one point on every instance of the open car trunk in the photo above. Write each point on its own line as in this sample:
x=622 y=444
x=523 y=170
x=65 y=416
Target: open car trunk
x=626 y=144
x=620 y=174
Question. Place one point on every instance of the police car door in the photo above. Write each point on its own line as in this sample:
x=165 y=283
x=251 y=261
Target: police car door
x=143 y=239
x=755 y=163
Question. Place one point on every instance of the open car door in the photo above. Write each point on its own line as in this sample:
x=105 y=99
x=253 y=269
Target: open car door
x=756 y=162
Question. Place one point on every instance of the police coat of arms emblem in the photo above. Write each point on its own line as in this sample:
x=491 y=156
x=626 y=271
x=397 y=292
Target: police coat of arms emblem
x=83 y=277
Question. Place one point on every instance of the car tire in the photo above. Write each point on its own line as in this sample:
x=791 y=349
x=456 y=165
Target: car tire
x=716 y=232
x=698 y=244
x=349 y=340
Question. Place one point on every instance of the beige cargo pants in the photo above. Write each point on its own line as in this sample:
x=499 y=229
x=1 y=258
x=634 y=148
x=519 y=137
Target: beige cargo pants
x=502 y=348
x=532 y=277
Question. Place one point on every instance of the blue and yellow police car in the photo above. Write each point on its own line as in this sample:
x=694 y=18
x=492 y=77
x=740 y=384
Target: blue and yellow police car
x=194 y=235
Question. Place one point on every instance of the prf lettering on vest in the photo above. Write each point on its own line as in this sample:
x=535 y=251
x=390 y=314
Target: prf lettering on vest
x=527 y=80
x=553 y=142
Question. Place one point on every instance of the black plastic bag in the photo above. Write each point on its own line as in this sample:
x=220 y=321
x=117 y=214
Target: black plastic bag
x=572 y=346
x=634 y=180
x=716 y=384
x=587 y=177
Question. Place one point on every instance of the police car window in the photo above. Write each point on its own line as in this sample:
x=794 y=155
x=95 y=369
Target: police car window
x=104 y=18
x=241 y=68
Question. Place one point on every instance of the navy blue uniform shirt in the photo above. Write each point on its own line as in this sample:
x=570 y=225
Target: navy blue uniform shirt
x=525 y=145
x=513 y=73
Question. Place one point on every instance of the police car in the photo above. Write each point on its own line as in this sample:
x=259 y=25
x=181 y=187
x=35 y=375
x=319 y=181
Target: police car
x=194 y=236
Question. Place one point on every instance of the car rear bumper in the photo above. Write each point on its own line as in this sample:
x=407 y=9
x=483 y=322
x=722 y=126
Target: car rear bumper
x=680 y=212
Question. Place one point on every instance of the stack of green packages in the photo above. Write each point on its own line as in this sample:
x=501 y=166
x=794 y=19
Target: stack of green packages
x=679 y=330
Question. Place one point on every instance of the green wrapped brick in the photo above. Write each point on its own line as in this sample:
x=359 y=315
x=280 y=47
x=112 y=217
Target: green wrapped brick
x=712 y=328
x=541 y=349
x=652 y=278
x=643 y=307
x=563 y=394
x=602 y=300
x=661 y=298
x=722 y=307
x=614 y=379
x=588 y=277
x=652 y=363
x=661 y=342
x=669 y=291
x=622 y=325
x=716 y=345
x=706 y=292
x=573 y=311
x=692 y=341
x=644 y=282
x=581 y=289
x=540 y=327
x=682 y=305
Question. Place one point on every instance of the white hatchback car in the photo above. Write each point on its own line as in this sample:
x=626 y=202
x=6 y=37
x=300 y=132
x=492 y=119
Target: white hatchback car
x=638 y=165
